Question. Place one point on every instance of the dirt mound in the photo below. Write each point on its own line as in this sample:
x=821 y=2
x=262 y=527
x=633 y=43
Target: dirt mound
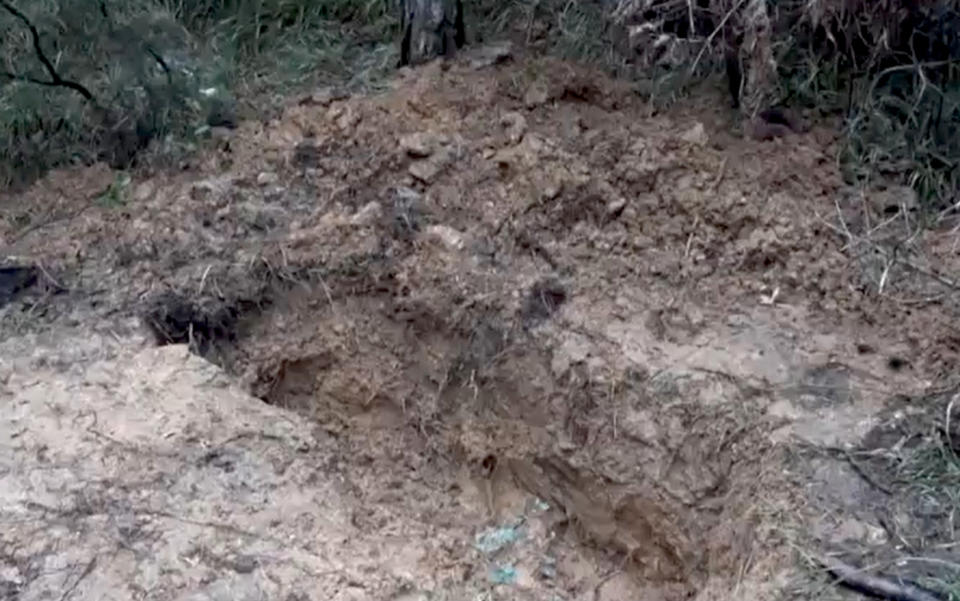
x=512 y=297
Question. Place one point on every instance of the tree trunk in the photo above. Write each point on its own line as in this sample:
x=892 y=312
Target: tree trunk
x=431 y=28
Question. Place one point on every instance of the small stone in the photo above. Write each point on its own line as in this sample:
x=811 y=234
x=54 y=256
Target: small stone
x=324 y=96
x=516 y=125
x=348 y=120
x=615 y=207
x=335 y=112
x=143 y=192
x=505 y=158
x=536 y=95
x=221 y=134
x=419 y=145
x=201 y=191
x=425 y=171
x=368 y=215
x=493 y=54
x=244 y=564
x=695 y=135
x=407 y=194
x=893 y=200
x=267 y=178
x=552 y=191
x=559 y=365
x=450 y=237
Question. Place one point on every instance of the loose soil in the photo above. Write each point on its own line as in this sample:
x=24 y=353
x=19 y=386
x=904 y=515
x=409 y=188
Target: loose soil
x=500 y=332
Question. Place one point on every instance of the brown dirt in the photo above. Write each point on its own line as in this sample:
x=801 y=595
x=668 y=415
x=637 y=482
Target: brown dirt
x=494 y=285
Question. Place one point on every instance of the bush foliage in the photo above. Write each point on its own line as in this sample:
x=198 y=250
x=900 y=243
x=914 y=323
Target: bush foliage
x=889 y=68
x=161 y=71
x=108 y=77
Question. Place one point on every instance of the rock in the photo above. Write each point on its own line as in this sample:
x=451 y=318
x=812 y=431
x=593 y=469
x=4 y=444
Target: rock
x=507 y=158
x=615 y=207
x=419 y=145
x=493 y=54
x=552 y=191
x=349 y=119
x=893 y=200
x=201 y=191
x=343 y=116
x=516 y=125
x=406 y=194
x=221 y=134
x=640 y=425
x=244 y=564
x=425 y=171
x=450 y=237
x=695 y=135
x=267 y=178
x=536 y=95
x=324 y=97
x=368 y=215
x=334 y=112
x=144 y=191
x=572 y=126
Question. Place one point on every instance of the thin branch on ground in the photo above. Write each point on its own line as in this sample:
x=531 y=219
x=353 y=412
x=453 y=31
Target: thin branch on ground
x=946 y=424
x=855 y=578
x=87 y=570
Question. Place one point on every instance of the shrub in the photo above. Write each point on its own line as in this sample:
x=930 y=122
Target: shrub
x=107 y=77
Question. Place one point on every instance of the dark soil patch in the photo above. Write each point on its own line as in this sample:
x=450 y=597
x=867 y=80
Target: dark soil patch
x=203 y=324
x=14 y=280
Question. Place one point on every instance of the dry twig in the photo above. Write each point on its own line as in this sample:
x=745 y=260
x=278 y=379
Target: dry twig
x=877 y=586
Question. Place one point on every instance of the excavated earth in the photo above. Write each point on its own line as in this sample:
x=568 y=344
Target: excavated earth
x=500 y=332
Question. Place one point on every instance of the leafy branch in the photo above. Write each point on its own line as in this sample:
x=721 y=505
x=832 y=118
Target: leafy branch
x=55 y=78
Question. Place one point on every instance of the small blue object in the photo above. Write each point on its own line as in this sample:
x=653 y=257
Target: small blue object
x=503 y=575
x=496 y=539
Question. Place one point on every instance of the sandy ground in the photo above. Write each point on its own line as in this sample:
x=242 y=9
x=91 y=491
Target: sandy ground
x=502 y=332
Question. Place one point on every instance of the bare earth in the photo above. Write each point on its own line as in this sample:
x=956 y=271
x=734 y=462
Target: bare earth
x=497 y=333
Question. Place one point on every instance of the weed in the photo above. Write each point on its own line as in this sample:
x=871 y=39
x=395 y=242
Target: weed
x=115 y=196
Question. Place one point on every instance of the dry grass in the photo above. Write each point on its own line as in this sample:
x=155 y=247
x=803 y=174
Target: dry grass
x=915 y=473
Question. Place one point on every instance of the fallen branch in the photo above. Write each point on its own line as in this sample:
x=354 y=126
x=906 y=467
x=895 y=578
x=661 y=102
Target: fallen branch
x=877 y=586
